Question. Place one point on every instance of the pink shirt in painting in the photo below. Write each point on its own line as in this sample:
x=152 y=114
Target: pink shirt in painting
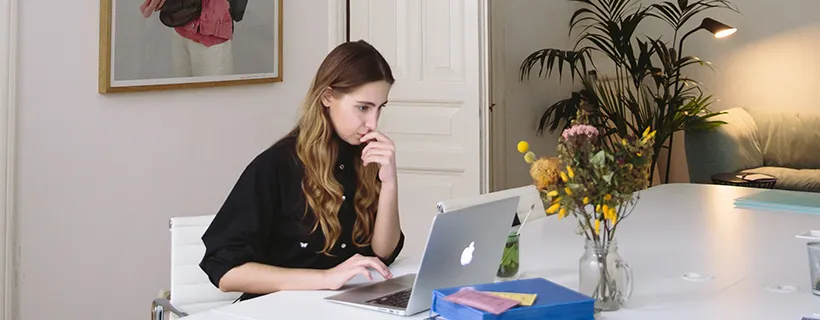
x=214 y=25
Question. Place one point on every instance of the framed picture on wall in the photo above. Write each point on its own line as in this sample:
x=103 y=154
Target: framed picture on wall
x=170 y=44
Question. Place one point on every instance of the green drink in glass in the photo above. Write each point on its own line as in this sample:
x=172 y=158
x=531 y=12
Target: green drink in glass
x=509 y=262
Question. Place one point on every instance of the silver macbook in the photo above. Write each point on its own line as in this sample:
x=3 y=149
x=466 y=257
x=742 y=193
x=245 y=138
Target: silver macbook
x=464 y=247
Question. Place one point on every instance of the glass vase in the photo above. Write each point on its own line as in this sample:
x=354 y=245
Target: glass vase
x=605 y=276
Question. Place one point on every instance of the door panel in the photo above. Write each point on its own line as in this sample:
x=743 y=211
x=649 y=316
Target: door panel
x=434 y=113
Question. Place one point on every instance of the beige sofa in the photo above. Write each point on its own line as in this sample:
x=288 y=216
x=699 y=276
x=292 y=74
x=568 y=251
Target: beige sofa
x=784 y=144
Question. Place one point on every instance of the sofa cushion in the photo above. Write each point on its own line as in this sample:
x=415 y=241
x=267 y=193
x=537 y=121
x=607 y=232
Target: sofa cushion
x=792 y=179
x=788 y=138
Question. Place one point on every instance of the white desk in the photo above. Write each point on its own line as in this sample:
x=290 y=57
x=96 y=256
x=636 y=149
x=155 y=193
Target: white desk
x=676 y=229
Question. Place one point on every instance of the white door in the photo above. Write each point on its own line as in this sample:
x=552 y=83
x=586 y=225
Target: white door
x=435 y=49
x=8 y=49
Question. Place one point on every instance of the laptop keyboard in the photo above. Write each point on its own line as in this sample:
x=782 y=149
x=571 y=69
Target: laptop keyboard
x=397 y=299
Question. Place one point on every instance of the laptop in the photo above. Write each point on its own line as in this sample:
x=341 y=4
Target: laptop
x=464 y=247
x=530 y=205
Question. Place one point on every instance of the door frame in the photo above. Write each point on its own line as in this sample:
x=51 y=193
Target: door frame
x=337 y=34
x=336 y=23
x=498 y=80
x=8 y=144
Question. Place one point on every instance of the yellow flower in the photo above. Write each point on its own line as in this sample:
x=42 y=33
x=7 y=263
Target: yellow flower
x=586 y=200
x=523 y=146
x=568 y=191
x=570 y=172
x=614 y=220
x=605 y=209
x=597 y=226
x=544 y=172
x=607 y=197
x=553 y=208
x=613 y=213
x=648 y=136
x=562 y=213
x=564 y=177
x=645 y=132
x=552 y=193
x=623 y=141
x=598 y=208
x=529 y=157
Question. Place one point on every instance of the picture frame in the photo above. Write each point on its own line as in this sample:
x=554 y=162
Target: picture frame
x=145 y=47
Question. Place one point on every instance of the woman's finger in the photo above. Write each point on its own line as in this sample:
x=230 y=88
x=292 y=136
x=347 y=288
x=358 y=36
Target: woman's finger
x=379 y=266
x=364 y=272
x=378 y=145
x=382 y=160
x=378 y=136
x=377 y=152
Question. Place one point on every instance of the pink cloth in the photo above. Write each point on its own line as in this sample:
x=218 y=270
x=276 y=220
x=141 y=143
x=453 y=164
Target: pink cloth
x=214 y=25
x=150 y=6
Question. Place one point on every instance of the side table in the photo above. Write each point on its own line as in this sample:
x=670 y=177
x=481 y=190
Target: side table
x=748 y=179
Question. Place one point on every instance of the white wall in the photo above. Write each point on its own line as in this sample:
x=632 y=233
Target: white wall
x=771 y=62
x=100 y=175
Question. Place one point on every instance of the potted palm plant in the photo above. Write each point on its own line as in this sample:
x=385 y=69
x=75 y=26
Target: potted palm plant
x=647 y=88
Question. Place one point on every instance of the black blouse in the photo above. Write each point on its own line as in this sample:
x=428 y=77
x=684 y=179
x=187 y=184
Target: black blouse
x=263 y=219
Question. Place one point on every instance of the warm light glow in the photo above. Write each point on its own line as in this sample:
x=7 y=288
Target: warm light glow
x=725 y=33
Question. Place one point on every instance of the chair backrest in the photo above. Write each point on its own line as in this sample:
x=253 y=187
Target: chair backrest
x=191 y=291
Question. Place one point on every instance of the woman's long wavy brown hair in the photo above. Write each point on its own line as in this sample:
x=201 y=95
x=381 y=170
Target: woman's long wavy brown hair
x=346 y=68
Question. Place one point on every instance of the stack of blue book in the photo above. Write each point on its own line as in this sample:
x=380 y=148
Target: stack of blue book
x=794 y=201
x=553 y=301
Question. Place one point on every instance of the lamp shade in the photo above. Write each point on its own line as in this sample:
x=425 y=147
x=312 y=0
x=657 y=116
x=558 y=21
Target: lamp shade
x=717 y=28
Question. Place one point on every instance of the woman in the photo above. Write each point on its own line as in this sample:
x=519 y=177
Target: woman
x=320 y=205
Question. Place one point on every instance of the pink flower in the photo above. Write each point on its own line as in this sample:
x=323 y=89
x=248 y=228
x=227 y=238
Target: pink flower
x=580 y=129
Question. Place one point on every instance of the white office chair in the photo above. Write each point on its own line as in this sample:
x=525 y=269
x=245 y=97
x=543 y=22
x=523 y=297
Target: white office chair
x=190 y=291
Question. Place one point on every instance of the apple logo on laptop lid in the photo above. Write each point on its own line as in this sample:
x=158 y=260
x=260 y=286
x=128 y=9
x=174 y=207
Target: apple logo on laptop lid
x=467 y=254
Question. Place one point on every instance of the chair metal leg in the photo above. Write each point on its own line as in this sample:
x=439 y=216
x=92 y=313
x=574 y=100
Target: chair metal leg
x=158 y=313
x=161 y=305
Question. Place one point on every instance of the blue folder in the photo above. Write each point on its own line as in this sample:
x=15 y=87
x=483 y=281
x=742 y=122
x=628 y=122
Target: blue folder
x=553 y=301
x=795 y=201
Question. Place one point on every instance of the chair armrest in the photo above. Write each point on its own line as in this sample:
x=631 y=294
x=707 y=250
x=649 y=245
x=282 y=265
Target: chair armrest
x=162 y=304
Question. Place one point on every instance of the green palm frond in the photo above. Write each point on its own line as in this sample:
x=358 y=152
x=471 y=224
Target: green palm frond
x=648 y=89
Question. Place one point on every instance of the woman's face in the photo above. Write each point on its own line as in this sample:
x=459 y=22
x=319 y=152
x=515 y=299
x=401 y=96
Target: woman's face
x=355 y=114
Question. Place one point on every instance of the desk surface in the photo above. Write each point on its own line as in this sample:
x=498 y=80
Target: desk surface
x=755 y=268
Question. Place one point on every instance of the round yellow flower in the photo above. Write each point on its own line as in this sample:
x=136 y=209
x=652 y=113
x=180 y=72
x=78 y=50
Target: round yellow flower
x=523 y=146
x=529 y=157
x=544 y=172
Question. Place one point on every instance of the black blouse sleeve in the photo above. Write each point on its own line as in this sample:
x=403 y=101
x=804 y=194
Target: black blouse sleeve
x=233 y=238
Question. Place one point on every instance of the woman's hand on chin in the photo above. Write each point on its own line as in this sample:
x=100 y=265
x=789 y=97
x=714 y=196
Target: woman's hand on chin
x=380 y=149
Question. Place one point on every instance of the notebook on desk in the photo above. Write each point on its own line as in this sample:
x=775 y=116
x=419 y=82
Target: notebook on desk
x=794 y=201
x=552 y=301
